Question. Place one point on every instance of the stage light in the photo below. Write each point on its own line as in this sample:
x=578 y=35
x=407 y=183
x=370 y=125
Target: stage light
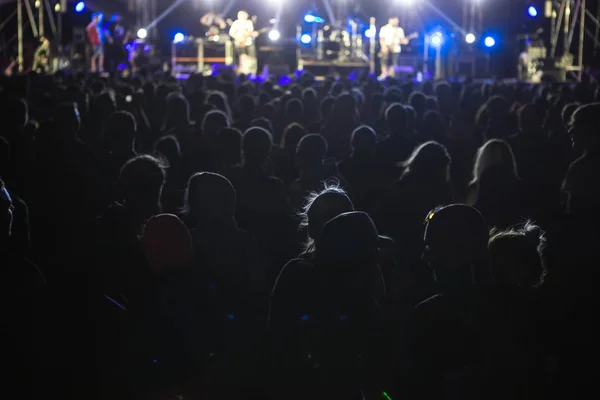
x=532 y=11
x=489 y=41
x=274 y=35
x=306 y=38
x=370 y=33
x=178 y=38
x=405 y=2
x=142 y=33
x=436 y=39
x=79 y=7
x=470 y=38
x=309 y=18
x=57 y=7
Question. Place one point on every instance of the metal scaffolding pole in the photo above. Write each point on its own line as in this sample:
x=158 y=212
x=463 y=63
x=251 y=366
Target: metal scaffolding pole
x=40 y=5
x=581 y=37
x=20 y=34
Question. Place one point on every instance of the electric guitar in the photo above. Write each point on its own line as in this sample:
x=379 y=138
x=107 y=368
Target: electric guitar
x=385 y=50
x=247 y=39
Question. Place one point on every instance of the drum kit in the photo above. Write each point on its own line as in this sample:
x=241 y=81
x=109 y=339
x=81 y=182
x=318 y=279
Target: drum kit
x=342 y=43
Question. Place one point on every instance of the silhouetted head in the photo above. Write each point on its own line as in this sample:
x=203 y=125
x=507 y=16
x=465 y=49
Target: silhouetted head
x=531 y=119
x=311 y=151
x=417 y=102
x=103 y=105
x=494 y=153
x=327 y=106
x=246 y=106
x=167 y=147
x=209 y=196
x=320 y=207
x=256 y=146
x=6 y=213
x=167 y=243
x=456 y=245
x=568 y=111
x=119 y=131
x=177 y=111
x=213 y=122
x=294 y=110
x=292 y=135
x=363 y=141
x=349 y=243
x=516 y=256
x=430 y=162
x=67 y=119
x=584 y=128
x=263 y=123
x=395 y=119
x=434 y=126
x=229 y=147
x=219 y=100
x=141 y=181
x=16 y=113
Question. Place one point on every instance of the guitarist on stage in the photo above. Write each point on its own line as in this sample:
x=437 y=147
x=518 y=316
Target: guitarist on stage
x=391 y=40
x=242 y=33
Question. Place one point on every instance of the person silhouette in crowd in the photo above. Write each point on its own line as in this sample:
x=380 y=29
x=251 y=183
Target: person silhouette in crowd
x=120 y=267
x=201 y=154
x=533 y=153
x=261 y=202
x=168 y=149
x=313 y=169
x=338 y=128
x=516 y=256
x=580 y=184
x=246 y=108
x=119 y=138
x=323 y=307
x=365 y=173
x=228 y=149
x=398 y=146
x=456 y=250
x=496 y=189
x=423 y=185
x=177 y=116
x=284 y=156
x=321 y=207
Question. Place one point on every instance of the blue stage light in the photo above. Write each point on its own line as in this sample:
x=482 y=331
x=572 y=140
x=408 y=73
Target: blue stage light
x=79 y=7
x=489 y=41
x=436 y=39
x=306 y=38
x=532 y=11
x=178 y=38
x=309 y=18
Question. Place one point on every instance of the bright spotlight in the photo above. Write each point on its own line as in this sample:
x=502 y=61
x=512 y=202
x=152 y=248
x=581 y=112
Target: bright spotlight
x=57 y=7
x=306 y=38
x=370 y=33
x=309 y=18
x=274 y=35
x=142 y=33
x=532 y=11
x=178 y=38
x=436 y=39
x=405 y=2
x=79 y=7
x=489 y=41
x=470 y=38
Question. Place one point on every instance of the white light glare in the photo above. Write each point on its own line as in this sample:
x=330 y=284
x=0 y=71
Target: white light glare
x=370 y=33
x=142 y=33
x=306 y=38
x=436 y=39
x=470 y=38
x=274 y=35
x=178 y=38
x=489 y=41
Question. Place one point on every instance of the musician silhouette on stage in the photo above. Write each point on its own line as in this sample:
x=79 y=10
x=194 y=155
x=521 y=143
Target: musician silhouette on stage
x=391 y=39
x=242 y=33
